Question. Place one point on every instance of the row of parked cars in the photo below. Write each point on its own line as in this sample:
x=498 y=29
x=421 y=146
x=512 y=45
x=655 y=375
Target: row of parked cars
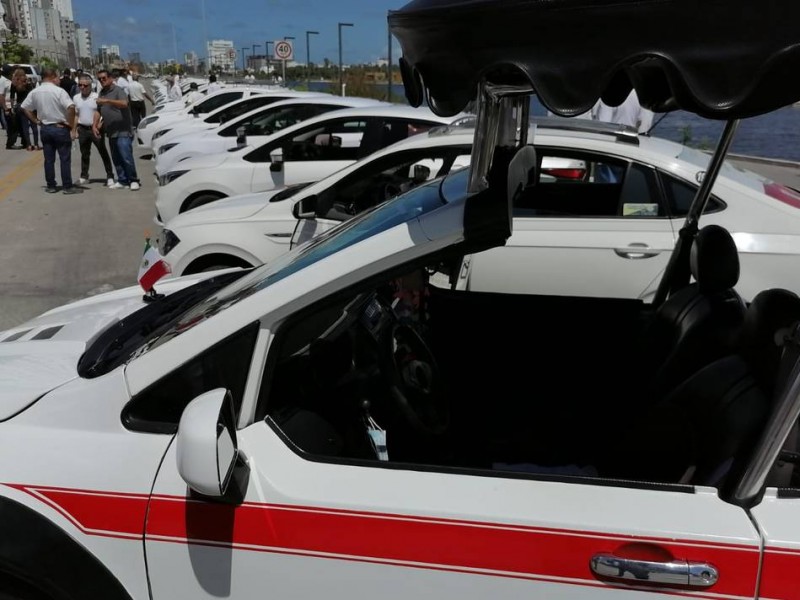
x=235 y=169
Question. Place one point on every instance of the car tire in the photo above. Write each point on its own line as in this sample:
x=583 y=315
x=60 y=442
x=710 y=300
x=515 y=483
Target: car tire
x=200 y=200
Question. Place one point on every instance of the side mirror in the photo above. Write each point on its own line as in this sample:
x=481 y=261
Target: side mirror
x=306 y=208
x=206 y=443
x=241 y=137
x=421 y=174
x=276 y=157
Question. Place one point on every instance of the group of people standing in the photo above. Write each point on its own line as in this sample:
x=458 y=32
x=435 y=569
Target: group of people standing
x=106 y=117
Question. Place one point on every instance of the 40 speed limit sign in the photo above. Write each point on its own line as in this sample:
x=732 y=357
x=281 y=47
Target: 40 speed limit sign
x=284 y=50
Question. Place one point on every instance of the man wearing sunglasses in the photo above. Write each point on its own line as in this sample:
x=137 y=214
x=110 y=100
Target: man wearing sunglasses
x=86 y=106
x=114 y=117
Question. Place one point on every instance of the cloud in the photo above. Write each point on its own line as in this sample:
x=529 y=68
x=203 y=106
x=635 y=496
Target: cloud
x=130 y=20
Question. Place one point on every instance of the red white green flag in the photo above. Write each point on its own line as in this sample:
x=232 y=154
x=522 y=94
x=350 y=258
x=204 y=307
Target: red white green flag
x=152 y=268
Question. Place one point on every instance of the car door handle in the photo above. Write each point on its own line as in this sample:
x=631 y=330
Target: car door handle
x=636 y=251
x=278 y=235
x=675 y=572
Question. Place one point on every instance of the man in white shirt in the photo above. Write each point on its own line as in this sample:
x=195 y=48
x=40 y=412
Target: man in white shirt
x=175 y=93
x=53 y=110
x=213 y=86
x=194 y=95
x=86 y=107
x=629 y=113
x=137 y=95
x=5 y=110
x=120 y=80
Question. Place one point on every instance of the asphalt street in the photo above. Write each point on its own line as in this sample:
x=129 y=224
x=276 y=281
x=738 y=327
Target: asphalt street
x=56 y=248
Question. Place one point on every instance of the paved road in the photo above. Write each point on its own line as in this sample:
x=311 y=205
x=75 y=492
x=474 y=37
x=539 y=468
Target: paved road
x=56 y=248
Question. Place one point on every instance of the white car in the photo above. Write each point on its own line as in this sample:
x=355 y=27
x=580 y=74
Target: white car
x=608 y=240
x=237 y=108
x=251 y=128
x=305 y=152
x=154 y=122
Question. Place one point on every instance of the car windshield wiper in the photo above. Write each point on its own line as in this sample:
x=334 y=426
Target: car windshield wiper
x=119 y=341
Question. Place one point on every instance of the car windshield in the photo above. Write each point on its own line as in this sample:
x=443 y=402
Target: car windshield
x=401 y=209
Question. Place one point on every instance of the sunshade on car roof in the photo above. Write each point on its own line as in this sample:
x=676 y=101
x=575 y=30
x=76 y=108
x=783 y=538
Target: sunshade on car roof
x=721 y=59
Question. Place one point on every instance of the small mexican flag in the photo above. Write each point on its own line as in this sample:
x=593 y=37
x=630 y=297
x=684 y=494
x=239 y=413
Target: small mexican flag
x=152 y=267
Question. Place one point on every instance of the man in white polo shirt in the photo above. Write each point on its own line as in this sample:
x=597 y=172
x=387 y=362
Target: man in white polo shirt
x=50 y=107
x=86 y=105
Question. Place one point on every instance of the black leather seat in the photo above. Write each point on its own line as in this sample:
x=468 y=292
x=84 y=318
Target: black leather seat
x=698 y=324
x=705 y=429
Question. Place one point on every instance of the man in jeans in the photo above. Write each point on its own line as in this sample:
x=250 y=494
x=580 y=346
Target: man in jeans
x=86 y=106
x=114 y=116
x=53 y=110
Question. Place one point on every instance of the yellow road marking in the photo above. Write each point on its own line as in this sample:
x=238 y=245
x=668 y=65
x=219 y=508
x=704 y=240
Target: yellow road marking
x=20 y=174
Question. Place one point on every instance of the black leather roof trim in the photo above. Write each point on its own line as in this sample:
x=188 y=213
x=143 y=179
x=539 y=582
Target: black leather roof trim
x=720 y=59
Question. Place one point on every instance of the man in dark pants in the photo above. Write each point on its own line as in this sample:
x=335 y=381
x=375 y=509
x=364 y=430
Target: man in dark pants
x=115 y=115
x=86 y=106
x=53 y=110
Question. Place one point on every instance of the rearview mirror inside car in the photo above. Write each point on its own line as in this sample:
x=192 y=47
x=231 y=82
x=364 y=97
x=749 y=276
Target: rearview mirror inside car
x=421 y=174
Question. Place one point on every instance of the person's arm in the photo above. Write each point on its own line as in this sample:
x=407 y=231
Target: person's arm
x=96 y=124
x=120 y=102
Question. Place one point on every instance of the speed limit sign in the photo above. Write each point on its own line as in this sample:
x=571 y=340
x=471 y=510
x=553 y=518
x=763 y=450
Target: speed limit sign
x=284 y=50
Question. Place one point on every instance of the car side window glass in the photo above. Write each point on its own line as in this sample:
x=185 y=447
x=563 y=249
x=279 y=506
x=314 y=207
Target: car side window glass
x=158 y=408
x=390 y=131
x=241 y=108
x=680 y=196
x=640 y=196
x=333 y=141
x=574 y=184
x=383 y=179
x=215 y=102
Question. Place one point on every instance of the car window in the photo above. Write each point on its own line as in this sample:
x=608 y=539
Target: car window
x=338 y=139
x=270 y=121
x=390 y=131
x=240 y=108
x=210 y=104
x=681 y=194
x=580 y=184
x=383 y=179
x=158 y=408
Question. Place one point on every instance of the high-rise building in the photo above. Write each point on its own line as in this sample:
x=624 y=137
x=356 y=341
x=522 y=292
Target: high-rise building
x=190 y=59
x=19 y=18
x=46 y=24
x=221 y=54
x=83 y=42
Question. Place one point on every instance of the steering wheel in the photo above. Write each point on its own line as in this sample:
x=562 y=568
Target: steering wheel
x=416 y=387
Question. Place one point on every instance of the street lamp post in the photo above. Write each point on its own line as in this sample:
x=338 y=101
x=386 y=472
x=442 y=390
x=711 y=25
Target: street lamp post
x=341 y=76
x=244 y=52
x=308 y=57
x=267 y=44
x=286 y=39
x=253 y=56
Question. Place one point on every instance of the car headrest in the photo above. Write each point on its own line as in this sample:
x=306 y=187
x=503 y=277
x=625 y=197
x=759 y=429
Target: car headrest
x=767 y=323
x=714 y=260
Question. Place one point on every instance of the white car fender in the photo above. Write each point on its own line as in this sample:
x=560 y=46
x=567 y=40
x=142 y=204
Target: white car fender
x=207 y=250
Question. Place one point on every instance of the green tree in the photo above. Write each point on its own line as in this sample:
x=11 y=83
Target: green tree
x=15 y=51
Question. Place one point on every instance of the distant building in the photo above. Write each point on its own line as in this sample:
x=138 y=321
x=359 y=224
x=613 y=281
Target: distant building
x=83 y=42
x=221 y=54
x=135 y=57
x=191 y=60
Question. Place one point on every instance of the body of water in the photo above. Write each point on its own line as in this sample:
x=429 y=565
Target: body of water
x=774 y=135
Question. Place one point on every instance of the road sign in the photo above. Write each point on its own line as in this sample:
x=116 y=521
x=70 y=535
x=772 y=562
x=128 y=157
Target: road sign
x=284 y=50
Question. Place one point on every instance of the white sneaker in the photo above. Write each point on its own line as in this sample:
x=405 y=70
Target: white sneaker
x=135 y=186
x=116 y=186
x=82 y=181
x=110 y=183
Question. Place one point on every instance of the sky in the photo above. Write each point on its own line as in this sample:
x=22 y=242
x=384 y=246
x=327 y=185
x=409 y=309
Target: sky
x=146 y=26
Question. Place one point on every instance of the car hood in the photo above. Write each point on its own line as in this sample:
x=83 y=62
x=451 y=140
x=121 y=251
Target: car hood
x=235 y=208
x=204 y=161
x=42 y=354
